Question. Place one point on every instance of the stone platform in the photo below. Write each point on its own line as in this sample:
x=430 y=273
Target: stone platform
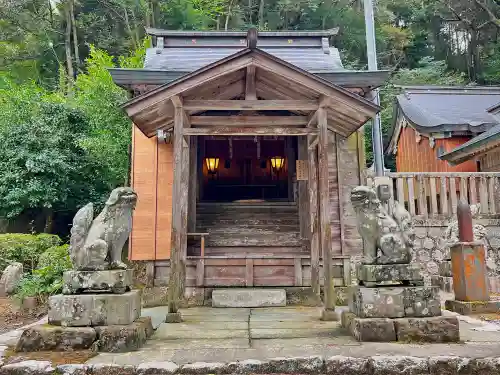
x=239 y=297
x=111 y=281
x=377 y=274
x=82 y=310
x=436 y=329
x=112 y=338
x=395 y=302
x=473 y=307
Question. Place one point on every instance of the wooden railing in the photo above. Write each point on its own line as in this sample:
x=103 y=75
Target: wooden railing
x=429 y=194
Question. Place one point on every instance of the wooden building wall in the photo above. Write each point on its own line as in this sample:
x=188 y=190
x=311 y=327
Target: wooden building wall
x=413 y=156
x=152 y=178
x=490 y=161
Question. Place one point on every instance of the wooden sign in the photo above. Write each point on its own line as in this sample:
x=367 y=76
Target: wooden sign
x=302 y=170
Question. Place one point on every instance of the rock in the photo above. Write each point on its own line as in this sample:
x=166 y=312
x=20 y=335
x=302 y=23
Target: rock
x=56 y=338
x=157 y=368
x=72 y=370
x=485 y=366
x=98 y=244
x=445 y=268
x=94 y=309
x=123 y=338
x=372 y=273
x=474 y=307
x=249 y=366
x=446 y=365
x=422 y=301
x=340 y=365
x=113 y=281
x=373 y=329
x=112 y=369
x=11 y=276
x=204 y=368
x=296 y=365
x=399 y=365
x=239 y=297
x=377 y=302
x=435 y=329
x=27 y=368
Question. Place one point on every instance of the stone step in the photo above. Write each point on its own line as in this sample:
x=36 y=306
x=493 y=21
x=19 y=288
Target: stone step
x=251 y=297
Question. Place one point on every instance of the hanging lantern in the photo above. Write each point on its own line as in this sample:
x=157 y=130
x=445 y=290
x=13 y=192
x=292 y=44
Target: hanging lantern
x=212 y=165
x=277 y=163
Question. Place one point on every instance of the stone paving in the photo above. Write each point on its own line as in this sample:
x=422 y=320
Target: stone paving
x=225 y=335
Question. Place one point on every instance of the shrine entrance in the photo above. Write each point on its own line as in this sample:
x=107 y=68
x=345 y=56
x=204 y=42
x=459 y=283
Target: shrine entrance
x=246 y=169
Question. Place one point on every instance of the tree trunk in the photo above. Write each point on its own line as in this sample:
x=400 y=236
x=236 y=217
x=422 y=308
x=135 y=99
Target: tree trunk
x=261 y=15
x=249 y=12
x=129 y=28
x=75 y=35
x=228 y=15
x=51 y=13
x=49 y=220
x=67 y=45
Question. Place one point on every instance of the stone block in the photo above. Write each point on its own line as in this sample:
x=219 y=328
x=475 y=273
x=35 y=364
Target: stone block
x=56 y=338
x=447 y=365
x=376 y=273
x=340 y=365
x=373 y=329
x=113 y=281
x=94 y=309
x=329 y=315
x=470 y=281
x=173 y=318
x=123 y=338
x=445 y=268
x=203 y=368
x=475 y=307
x=73 y=369
x=494 y=284
x=112 y=369
x=399 y=365
x=395 y=302
x=437 y=329
x=248 y=297
x=157 y=368
x=296 y=365
x=27 y=368
x=346 y=319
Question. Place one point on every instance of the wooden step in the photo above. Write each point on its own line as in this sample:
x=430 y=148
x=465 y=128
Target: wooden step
x=257 y=222
x=244 y=231
x=276 y=239
x=238 y=251
x=248 y=297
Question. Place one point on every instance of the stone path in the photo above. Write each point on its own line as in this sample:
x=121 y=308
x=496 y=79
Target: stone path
x=225 y=335
x=10 y=338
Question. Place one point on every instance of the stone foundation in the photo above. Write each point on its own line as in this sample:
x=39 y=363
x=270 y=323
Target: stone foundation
x=114 y=338
x=474 y=307
x=436 y=329
x=94 y=309
x=376 y=274
x=112 y=281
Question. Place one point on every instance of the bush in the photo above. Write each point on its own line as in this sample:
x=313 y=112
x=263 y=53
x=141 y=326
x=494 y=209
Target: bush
x=46 y=279
x=25 y=248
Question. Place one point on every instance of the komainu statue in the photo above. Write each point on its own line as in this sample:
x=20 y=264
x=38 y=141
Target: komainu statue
x=97 y=244
x=387 y=238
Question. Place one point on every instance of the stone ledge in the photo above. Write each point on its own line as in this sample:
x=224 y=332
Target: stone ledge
x=475 y=307
x=336 y=365
x=112 y=281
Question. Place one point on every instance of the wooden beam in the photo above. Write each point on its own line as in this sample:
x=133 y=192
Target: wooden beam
x=250 y=91
x=177 y=277
x=312 y=143
x=313 y=219
x=228 y=130
x=177 y=101
x=324 y=210
x=313 y=120
x=248 y=121
x=250 y=105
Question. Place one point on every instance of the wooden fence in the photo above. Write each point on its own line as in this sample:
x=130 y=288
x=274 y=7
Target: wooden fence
x=429 y=194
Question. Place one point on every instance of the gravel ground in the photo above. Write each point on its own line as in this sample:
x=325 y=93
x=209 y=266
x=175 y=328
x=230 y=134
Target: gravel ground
x=12 y=317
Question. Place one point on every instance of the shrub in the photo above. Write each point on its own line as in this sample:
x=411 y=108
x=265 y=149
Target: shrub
x=46 y=279
x=25 y=248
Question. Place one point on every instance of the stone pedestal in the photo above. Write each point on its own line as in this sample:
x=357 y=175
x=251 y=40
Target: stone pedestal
x=470 y=277
x=376 y=274
x=112 y=281
x=81 y=310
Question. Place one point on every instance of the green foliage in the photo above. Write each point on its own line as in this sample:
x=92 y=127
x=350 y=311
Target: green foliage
x=46 y=279
x=25 y=248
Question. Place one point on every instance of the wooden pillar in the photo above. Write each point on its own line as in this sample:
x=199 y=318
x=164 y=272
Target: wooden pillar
x=313 y=218
x=193 y=183
x=324 y=216
x=179 y=217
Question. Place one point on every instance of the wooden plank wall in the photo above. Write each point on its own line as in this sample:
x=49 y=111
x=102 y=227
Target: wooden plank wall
x=413 y=156
x=333 y=186
x=152 y=177
x=350 y=159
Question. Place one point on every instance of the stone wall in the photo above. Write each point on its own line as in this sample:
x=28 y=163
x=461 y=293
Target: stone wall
x=430 y=248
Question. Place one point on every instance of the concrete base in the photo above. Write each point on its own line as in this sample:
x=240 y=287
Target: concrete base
x=84 y=310
x=395 y=302
x=328 y=315
x=112 y=281
x=113 y=339
x=248 y=297
x=474 y=307
x=376 y=274
x=173 y=318
x=436 y=329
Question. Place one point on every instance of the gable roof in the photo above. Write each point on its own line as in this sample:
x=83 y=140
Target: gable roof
x=434 y=109
x=278 y=80
x=477 y=145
